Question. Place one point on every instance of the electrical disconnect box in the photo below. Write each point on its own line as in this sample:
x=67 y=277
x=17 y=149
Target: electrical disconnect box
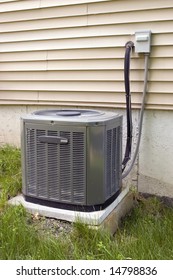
x=143 y=41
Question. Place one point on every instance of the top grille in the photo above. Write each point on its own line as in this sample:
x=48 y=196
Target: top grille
x=69 y=113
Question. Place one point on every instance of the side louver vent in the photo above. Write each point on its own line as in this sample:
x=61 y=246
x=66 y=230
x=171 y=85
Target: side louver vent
x=113 y=167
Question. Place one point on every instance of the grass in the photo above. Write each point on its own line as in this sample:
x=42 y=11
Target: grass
x=10 y=173
x=146 y=233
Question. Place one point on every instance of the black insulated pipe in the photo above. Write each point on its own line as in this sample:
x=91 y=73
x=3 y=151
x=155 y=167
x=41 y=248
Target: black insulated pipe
x=129 y=45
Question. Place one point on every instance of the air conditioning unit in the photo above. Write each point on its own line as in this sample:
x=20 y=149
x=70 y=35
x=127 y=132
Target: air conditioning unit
x=72 y=158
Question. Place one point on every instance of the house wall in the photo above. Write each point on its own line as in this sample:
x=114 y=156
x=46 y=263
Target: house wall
x=71 y=53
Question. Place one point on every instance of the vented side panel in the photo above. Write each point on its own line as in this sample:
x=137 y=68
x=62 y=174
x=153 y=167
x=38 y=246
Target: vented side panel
x=52 y=168
x=41 y=165
x=65 y=170
x=53 y=171
x=113 y=161
x=78 y=166
x=31 y=162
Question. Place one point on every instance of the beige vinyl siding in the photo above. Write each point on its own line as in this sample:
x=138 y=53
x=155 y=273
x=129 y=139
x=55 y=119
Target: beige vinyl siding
x=71 y=52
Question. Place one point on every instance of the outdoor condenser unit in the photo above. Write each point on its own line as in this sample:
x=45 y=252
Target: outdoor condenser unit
x=72 y=159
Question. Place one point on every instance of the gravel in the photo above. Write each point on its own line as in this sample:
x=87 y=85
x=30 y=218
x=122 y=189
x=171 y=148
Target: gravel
x=51 y=226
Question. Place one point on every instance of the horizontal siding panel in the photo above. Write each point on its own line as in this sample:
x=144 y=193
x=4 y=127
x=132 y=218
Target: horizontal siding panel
x=78 y=75
x=160 y=87
x=45 y=3
x=62 y=99
x=56 y=3
x=100 y=105
x=112 y=99
x=20 y=102
x=92 y=97
x=36 y=14
x=87 y=64
x=91 y=75
x=59 y=33
x=161 y=63
x=77 y=43
x=162 y=39
x=122 y=22
x=62 y=27
x=17 y=5
x=117 y=100
x=38 y=4
x=82 y=32
x=110 y=75
x=97 y=53
x=115 y=86
x=160 y=75
x=127 y=6
x=161 y=51
x=23 y=56
x=90 y=86
x=161 y=98
x=19 y=95
x=42 y=24
x=68 y=86
x=131 y=17
x=22 y=66
x=89 y=42
x=63 y=54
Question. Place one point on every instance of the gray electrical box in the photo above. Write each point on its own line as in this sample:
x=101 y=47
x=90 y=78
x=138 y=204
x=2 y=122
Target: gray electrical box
x=143 y=41
x=72 y=158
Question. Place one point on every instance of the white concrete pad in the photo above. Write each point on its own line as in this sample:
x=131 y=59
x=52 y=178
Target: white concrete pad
x=94 y=218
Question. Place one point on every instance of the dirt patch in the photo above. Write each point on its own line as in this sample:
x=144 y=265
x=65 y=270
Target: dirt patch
x=51 y=226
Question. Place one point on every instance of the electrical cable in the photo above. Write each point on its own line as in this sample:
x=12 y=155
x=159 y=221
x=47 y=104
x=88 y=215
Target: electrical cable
x=129 y=45
x=140 y=117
